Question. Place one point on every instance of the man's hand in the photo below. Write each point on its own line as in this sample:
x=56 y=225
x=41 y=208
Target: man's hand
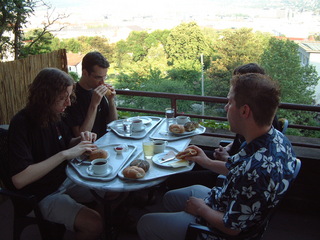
x=112 y=92
x=195 y=206
x=201 y=158
x=82 y=147
x=221 y=154
x=88 y=136
x=98 y=94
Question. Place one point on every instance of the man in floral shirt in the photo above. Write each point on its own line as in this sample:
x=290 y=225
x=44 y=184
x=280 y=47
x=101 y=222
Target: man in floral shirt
x=256 y=178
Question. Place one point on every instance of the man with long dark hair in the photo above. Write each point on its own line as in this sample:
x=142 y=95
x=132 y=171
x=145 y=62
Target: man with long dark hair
x=40 y=145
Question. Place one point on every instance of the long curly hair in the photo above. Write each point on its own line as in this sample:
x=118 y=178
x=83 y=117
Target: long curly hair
x=44 y=91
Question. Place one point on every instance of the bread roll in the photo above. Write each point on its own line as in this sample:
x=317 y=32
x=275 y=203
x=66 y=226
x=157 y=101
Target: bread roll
x=109 y=93
x=187 y=152
x=98 y=153
x=145 y=165
x=133 y=172
x=176 y=128
x=191 y=126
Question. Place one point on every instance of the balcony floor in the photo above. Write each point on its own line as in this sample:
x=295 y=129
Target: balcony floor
x=285 y=225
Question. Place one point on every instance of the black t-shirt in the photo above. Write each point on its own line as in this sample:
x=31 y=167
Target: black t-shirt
x=29 y=144
x=76 y=113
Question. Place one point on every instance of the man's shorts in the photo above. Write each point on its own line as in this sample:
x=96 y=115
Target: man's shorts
x=63 y=205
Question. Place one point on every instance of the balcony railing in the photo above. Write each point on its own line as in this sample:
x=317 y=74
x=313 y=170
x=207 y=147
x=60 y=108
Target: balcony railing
x=173 y=97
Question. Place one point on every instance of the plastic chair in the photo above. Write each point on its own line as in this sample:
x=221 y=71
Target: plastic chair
x=283 y=124
x=255 y=233
x=23 y=204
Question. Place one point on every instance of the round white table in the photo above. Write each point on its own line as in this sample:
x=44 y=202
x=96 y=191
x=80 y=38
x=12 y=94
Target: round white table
x=100 y=188
x=117 y=184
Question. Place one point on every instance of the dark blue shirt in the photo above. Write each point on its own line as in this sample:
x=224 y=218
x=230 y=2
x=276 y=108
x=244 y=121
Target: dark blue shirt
x=259 y=175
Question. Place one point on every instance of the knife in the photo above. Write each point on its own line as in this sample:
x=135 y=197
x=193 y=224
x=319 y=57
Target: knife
x=167 y=160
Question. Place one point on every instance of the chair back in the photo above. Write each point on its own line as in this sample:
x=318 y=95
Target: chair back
x=283 y=125
x=296 y=170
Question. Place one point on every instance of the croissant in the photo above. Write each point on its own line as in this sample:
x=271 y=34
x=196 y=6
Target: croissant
x=176 y=128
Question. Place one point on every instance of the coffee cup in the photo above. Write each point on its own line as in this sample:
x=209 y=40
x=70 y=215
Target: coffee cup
x=99 y=166
x=137 y=124
x=181 y=120
x=159 y=146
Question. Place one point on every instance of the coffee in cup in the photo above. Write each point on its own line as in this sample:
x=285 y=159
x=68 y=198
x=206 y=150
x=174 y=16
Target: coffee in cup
x=137 y=124
x=99 y=166
x=181 y=120
x=159 y=146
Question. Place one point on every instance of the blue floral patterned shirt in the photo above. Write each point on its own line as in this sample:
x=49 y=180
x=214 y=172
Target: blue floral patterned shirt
x=259 y=175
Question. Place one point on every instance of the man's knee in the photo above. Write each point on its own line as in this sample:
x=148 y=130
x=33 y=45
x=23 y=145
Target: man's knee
x=89 y=222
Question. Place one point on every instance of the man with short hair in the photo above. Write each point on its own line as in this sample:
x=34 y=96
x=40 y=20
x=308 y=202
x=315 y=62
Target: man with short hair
x=95 y=106
x=256 y=178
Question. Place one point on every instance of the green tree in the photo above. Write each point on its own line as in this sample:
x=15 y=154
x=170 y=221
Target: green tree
x=281 y=61
x=233 y=48
x=186 y=43
x=136 y=43
x=36 y=42
x=73 y=45
x=121 y=56
x=13 y=17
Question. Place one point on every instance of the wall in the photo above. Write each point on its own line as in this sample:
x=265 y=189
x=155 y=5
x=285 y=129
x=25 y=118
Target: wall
x=15 y=77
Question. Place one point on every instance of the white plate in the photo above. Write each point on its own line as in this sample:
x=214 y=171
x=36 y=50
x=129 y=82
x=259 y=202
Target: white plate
x=145 y=120
x=157 y=158
x=182 y=134
x=90 y=173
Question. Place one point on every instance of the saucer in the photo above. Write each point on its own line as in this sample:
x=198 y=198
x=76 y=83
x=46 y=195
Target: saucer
x=90 y=172
x=145 y=120
x=143 y=128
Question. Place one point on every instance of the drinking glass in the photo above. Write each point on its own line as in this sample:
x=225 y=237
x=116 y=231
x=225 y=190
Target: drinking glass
x=169 y=113
x=127 y=127
x=148 y=148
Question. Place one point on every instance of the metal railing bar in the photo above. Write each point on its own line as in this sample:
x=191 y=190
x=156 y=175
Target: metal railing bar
x=174 y=97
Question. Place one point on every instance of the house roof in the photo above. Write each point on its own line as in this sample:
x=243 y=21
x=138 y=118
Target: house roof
x=74 y=58
x=311 y=46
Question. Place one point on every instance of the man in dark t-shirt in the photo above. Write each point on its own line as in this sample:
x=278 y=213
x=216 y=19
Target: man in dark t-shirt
x=94 y=107
x=40 y=146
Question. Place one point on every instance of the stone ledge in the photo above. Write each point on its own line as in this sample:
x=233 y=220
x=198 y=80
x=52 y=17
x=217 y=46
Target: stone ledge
x=301 y=152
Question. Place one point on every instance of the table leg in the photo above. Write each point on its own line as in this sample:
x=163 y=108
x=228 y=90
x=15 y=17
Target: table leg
x=108 y=204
